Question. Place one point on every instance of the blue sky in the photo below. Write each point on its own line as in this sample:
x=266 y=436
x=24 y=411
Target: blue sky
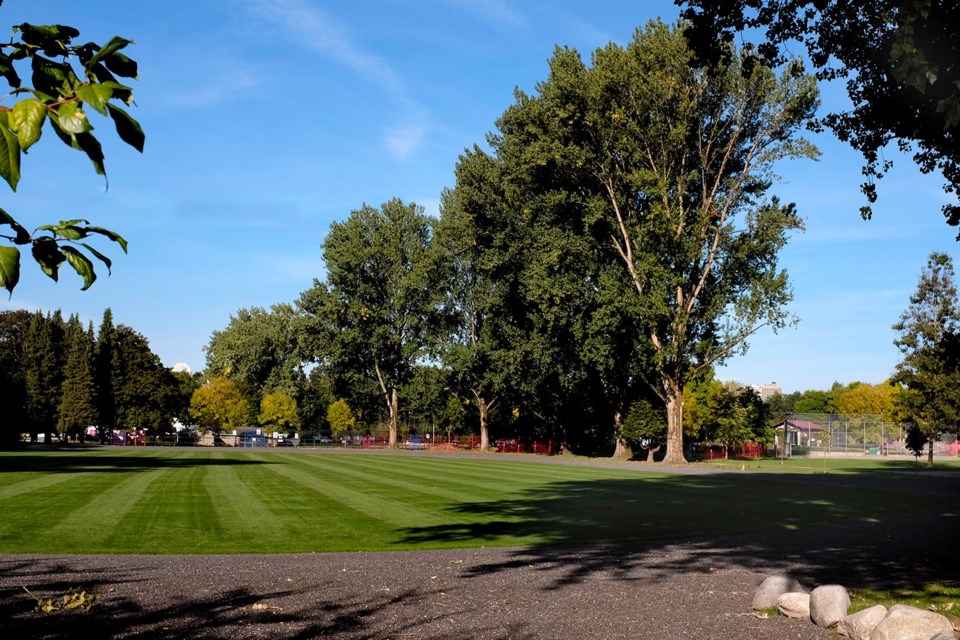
x=266 y=120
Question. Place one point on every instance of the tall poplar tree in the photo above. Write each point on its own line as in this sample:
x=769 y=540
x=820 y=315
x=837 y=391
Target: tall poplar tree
x=371 y=321
x=665 y=167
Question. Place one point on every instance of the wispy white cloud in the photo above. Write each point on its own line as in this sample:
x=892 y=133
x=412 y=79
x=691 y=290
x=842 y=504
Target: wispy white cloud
x=315 y=29
x=494 y=12
x=218 y=88
x=404 y=139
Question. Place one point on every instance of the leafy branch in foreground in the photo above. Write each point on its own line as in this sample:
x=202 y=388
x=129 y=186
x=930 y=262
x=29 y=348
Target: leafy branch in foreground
x=68 y=80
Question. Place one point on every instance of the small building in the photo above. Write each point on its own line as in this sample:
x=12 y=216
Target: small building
x=800 y=433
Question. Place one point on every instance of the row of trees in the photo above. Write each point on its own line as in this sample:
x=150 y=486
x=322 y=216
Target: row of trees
x=615 y=242
x=57 y=376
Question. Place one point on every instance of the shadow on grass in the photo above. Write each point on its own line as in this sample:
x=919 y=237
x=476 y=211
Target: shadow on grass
x=87 y=462
x=846 y=529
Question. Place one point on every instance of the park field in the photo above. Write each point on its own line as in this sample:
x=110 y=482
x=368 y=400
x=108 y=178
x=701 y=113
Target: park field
x=220 y=501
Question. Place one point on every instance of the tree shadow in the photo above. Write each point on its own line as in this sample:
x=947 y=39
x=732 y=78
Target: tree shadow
x=125 y=463
x=238 y=611
x=857 y=530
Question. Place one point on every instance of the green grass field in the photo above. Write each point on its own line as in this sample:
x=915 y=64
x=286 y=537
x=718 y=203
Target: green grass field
x=242 y=501
x=851 y=465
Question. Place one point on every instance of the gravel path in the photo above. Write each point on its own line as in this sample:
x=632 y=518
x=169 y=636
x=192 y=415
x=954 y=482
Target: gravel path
x=694 y=589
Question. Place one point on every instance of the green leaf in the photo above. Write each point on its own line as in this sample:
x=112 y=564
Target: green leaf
x=68 y=138
x=82 y=141
x=127 y=128
x=53 y=78
x=23 y=237
x=91 y=146
x=47 y=36
x=121 y=92
x=99 y=256
x=26 y=119
x=8 y=72
x=121 y=65
x=81 y=264
x=47 y=254
x=116 y=43
x=73 y=119
x=9 y=152
x=95 y=95
x=9 y=268
x=116 y=237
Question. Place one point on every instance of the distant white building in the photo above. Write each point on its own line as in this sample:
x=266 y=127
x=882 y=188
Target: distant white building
x=768 y=390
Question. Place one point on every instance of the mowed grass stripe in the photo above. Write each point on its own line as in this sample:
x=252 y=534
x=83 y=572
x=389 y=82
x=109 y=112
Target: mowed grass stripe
x=32 y=482
x=97 y=518
x=419 y=478
x=175 y=514
x=233 y=493
x=302 y=516
x=491 y=477
x=393 y=505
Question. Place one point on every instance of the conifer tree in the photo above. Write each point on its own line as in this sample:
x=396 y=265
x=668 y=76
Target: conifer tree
x=77 y=409
x=104 y=366
x=43 y=373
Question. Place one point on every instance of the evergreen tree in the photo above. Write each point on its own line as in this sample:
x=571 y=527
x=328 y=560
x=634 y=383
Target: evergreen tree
x=43 y=374
x=13 y=341
x=104 y=365
x=77 y=409
x=929 y=339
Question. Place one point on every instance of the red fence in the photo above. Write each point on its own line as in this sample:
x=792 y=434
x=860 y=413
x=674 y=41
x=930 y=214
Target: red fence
x=722 y=452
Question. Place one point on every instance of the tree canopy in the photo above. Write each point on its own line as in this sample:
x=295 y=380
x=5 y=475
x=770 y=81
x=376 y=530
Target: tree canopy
x=371 y=321
x=900 y=60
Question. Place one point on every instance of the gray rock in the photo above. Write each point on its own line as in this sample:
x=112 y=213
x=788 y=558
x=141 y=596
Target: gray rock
x=903 y=622
x=828 y=605
x=861 y=624
x=772 y=588
x=794 y=605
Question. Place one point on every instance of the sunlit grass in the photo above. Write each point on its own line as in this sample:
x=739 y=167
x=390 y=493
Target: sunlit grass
x=941 y=598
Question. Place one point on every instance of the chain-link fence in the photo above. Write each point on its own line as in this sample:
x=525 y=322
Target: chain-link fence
x=825 y=433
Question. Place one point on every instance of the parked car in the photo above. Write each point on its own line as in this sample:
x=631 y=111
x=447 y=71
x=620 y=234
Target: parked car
x=414 y=441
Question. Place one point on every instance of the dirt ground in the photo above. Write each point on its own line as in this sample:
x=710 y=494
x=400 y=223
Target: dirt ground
x=693 y=589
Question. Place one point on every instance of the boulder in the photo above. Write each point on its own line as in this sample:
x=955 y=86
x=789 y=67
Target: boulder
x=904 y=622
x=861 y=624
x=771 y=589
x=828 y=605
x=794 y=605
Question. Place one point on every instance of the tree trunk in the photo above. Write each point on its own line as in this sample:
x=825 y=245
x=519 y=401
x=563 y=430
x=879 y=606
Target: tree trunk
x=651 y=451
x=622 y=450
x=930 y=444
x=484 y=410
x=394 y=418
x=674 y=397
